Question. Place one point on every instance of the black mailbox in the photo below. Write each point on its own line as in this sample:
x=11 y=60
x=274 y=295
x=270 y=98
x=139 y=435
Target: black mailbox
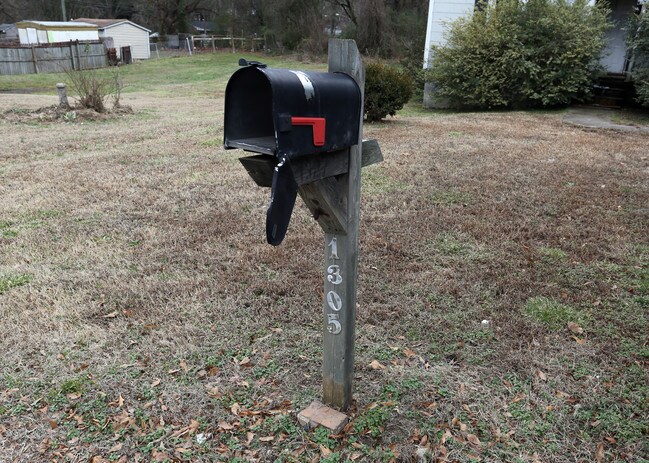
x=300 y=123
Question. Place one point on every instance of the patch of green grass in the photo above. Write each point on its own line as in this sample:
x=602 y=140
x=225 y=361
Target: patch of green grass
x=415 y=108
x=8 y=282
x=630 y=117
x=322 y=436
x=552 y=253
x=377 y=181
x=283 y=424
x=449 y=245
x=212 y=142
x=8 y=233
x=450 y=197
x=372 y=420
x=200 y=74
x=552 y=314
x=73 y=386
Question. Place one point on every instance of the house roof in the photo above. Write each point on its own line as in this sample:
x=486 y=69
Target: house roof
x=204 y=25
x=108 y=23
x=6 y=27
x=56 y=25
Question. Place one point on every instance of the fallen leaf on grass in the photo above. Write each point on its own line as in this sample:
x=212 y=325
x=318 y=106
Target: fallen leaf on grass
x=267 y=438
x=53 y=424
x=572 y=326
x=183 y=365
x=110 y=315
x=249 y=437
x=579 y=340
x=235 y=408
x=473 y=439
x=409 y=352
x=116 y=448
x=542 y=376
x=159 y=456
x=193 y=425
x=82 y=367
x=518 y=398
x=376 y=365
x=599 y=453
x=324 y=451
x=225 y=426
x=155 y=382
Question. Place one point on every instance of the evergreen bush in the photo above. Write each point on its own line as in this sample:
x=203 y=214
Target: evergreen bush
x=515 y=54
x=386 y=90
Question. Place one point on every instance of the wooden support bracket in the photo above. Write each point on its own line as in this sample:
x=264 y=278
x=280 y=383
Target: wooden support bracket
x=260 y=166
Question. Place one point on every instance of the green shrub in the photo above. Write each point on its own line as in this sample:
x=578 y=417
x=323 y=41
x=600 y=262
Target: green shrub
x=386 y=90
x=639 y=43
x=515 y=54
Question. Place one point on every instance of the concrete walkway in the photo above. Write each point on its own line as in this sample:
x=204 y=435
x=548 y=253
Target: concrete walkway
x=599 y=118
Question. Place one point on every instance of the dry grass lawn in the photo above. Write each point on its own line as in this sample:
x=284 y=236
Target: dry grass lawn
x=143 y=317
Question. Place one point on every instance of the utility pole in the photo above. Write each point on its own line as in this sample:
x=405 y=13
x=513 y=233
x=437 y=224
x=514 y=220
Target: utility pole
x=65 y=16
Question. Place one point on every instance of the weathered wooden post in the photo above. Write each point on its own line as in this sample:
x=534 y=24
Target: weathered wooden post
x=265 y=112
x=341 y=195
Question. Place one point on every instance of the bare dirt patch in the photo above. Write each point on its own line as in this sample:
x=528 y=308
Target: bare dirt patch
x=59 y=114
x=143 y=317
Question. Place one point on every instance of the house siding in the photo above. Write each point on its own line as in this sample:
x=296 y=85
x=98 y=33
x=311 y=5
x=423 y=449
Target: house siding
x=127 y=34
x=43 y=34
x=615 y=52
x=440 y=13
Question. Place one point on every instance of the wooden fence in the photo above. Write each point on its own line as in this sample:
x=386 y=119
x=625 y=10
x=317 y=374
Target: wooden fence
x=52 y=58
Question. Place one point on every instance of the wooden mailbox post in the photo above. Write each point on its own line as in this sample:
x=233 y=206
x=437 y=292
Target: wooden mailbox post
x=335 y=203
x=329 y=180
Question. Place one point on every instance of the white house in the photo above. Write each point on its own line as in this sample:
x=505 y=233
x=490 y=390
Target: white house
x=124 y=33
x=42 y=32
x=440 y=14
x=614 y=57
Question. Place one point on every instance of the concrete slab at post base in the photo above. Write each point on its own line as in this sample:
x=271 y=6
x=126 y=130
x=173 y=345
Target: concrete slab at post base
x=318 y=414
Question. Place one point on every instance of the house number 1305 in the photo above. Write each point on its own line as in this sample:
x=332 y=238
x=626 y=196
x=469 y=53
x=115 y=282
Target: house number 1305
x=334 y=301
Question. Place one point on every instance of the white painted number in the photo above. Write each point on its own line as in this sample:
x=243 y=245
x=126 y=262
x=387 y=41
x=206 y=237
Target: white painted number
x=334 y=276
x=334 y=248
x=334 y=301
x=334 y=325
